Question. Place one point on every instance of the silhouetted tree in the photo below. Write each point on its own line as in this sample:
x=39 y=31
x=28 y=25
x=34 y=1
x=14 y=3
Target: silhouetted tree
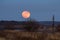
x=31 y=25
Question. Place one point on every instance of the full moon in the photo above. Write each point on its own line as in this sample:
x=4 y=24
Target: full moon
x=25 y=14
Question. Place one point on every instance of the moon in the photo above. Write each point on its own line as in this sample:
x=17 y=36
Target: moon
x=26 y=14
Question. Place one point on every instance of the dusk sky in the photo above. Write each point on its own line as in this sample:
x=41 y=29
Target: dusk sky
x=41 y=10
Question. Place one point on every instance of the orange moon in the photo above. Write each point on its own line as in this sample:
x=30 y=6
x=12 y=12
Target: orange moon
x=25 y=14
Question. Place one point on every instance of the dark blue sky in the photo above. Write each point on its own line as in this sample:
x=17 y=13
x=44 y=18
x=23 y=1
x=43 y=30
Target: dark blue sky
x=41 y=10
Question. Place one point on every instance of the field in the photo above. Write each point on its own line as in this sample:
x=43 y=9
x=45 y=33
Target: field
x=20 y=35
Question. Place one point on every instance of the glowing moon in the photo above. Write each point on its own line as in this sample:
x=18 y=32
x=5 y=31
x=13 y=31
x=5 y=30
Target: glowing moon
x=25 y=14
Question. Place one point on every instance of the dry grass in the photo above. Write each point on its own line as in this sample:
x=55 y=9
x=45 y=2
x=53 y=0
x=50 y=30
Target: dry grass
x=1 y=38
x=17 y=35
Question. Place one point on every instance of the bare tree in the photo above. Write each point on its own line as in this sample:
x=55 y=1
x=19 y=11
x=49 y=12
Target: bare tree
x=31 y=25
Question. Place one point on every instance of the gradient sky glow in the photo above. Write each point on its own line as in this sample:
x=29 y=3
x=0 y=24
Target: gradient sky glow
x=41 y=10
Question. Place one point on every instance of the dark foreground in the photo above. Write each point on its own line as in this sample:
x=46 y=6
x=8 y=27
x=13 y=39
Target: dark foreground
x=20 y=35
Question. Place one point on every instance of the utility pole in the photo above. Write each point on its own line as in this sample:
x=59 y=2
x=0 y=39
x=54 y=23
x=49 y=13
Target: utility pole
x=53 y=23
x=53 y=20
